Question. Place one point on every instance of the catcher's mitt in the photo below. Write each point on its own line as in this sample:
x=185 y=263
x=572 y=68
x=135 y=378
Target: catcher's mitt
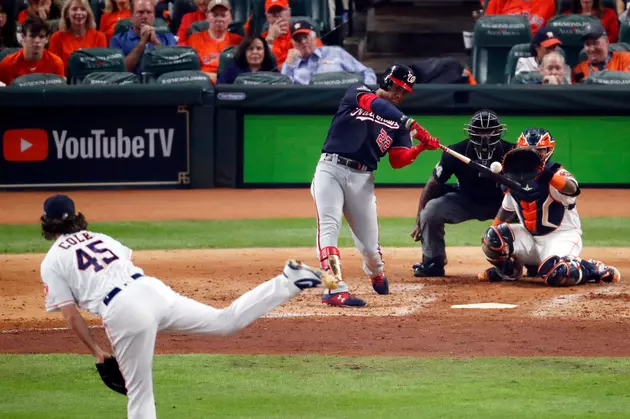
x=522 y=164
x=111 y=375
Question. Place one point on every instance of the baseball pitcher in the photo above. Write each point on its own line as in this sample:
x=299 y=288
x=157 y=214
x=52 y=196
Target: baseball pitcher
x=94 y=272
x=549 y=232
x=366 y=127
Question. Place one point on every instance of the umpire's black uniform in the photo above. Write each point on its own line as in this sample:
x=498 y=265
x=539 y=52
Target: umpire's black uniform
x=474 y=197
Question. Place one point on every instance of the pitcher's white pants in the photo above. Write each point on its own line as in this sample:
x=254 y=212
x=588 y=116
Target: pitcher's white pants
x=340 y=191
x=147 y=306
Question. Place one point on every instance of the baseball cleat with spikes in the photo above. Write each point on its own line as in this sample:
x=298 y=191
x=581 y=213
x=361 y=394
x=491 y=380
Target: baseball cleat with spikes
x=304 y=276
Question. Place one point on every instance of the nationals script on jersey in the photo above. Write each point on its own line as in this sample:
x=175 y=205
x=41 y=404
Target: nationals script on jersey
x=361 y=135
x=83 y=268
x=553 y=211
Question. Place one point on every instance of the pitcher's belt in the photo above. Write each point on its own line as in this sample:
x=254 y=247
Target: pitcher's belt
x=112 y=293
x=353 y=164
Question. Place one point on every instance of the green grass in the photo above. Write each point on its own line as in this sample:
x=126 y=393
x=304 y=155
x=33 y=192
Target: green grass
x=303 y=387
x=290 y=232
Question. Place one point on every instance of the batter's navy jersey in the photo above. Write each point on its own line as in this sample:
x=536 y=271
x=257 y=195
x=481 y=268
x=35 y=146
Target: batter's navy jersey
x=361 y=135
x=471 y=183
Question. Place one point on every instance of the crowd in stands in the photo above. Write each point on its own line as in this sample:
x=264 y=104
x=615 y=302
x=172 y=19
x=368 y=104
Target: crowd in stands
x=44 y=36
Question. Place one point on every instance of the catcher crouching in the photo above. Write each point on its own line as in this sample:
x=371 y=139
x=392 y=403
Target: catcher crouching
x=549 y=233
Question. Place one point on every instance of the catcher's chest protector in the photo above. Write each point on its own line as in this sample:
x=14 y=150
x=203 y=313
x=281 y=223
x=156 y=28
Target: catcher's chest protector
x=542 y=215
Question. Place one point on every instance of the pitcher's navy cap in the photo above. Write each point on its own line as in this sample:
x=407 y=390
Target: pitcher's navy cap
x=58 y=207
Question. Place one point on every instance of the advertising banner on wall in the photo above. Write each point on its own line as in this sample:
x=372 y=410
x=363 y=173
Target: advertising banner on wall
x=83 y=147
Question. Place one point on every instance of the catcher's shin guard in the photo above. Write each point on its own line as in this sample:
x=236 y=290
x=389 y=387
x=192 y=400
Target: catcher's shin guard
x=330 y=260
x=562 y=271
x=498 y=246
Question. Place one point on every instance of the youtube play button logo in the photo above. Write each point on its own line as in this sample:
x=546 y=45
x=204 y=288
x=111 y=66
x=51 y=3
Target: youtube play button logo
x=21 y=145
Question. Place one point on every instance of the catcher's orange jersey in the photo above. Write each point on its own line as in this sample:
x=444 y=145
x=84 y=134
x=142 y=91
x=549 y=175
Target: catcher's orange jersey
x=538 y=12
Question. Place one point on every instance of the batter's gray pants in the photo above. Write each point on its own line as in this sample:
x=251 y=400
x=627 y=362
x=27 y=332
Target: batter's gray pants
x=450 y=208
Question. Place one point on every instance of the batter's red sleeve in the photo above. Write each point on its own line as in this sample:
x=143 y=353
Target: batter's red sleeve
x=400 y=157
x=365 y=101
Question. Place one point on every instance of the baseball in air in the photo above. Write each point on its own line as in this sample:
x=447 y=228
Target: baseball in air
x=496 y=167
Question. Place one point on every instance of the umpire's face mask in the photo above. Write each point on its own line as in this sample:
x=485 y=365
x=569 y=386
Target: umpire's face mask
x=484 y=142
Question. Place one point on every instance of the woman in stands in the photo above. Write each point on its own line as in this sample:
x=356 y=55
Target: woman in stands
x=114 y=11
x=76 y=30
x=8 y=31
x=596 y=8
x=251 y=56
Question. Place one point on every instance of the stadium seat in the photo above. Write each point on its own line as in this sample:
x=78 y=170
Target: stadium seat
x=336 y=78
x=165 y=59
x=493 y=38
x=608 y=77
x=110 y=77
x=180 y=8
x=565 y=5
x=203 y=25
x=240 y=12
x=122 y=26
x=97 y=7
x=531 y=77
x=161 y=26
x=263 y=77
x=39 y=80
x=520 y=51
x=226 y=58
x=569 y=29
x=8 y=51
x=186 y=77
x=624 y=31
x=89 y=60
x=611 y=47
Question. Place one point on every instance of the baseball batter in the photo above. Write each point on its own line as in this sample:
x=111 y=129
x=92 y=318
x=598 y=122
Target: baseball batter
x=94 y=272
x=549 y=232
x=367 y=126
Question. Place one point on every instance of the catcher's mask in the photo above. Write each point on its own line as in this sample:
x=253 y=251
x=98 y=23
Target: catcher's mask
x=484 y=132
x=539 y=138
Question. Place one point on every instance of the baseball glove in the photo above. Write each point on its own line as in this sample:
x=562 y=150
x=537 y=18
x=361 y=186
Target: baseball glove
x=522 y=164
x=111 y=375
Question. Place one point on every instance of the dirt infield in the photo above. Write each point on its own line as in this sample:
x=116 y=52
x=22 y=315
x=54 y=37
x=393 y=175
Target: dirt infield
x=416 y=319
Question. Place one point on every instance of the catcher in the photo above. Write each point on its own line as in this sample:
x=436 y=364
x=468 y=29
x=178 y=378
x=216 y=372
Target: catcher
x=549 y=232
x=95 y=272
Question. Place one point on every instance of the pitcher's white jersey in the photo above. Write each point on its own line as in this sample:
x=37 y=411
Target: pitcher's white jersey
x=552 y=213
x=83 y=268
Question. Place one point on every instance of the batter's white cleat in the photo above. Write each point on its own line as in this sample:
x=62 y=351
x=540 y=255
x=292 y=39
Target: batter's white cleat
x=304 y=276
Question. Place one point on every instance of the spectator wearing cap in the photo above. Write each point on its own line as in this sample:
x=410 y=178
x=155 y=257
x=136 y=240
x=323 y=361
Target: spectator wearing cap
x=76 y=30
x=114 y=11
x=544 y=42
x=278 y=36
x=141 y=35
x=306 y=59
x=32 y=58
x=252 y=55
x=599 y=56
x=538 y=12
x=595 y=8
x=189 y=18
x=209 y=44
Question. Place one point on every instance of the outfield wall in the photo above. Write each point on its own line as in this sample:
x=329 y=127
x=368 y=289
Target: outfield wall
x=263 y=136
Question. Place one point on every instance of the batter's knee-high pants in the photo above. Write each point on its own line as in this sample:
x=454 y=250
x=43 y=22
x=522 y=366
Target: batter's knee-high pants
x=147 y=306
x=340 y=191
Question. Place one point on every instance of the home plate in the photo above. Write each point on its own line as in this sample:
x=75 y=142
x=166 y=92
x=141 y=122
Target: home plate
x=485 y=305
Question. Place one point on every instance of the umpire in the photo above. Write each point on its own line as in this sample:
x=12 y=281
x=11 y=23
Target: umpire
x=475 y=195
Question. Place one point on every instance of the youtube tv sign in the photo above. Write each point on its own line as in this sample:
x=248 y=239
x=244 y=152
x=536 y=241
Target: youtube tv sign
x=94 y=146
x=25 y=145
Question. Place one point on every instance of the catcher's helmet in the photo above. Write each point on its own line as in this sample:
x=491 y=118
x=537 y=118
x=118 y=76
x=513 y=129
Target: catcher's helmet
x=539 y=138
x=398 y=74
x=484 y=132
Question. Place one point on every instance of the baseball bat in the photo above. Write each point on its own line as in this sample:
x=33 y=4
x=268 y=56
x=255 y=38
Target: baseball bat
x=504 y=180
